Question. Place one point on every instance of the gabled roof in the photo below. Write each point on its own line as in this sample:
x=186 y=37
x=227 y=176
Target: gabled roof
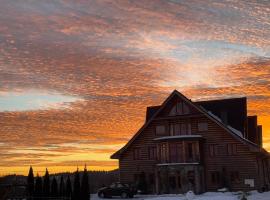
x=255 y=147
x=232 y=111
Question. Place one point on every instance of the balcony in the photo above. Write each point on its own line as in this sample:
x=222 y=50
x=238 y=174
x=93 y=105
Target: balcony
x=178 y=152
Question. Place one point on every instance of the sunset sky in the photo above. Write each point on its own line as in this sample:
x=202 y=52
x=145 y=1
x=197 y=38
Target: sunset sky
x=76 y=76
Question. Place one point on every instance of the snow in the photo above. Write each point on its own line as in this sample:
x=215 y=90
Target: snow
x=235 y=131
x=178 y=136
x=214 y=116
x=254 y=195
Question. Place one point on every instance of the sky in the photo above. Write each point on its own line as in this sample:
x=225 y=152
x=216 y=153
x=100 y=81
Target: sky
x=76 y=76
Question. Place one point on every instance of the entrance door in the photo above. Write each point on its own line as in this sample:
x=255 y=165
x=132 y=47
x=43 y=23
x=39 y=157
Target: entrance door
x=172 y=184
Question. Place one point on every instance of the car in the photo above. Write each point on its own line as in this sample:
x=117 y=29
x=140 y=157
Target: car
x=117 y=189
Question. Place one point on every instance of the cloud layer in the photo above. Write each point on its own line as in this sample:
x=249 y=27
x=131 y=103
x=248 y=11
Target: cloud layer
x=114 y=58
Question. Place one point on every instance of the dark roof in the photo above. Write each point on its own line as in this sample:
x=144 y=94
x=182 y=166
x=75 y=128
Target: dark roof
x=231 y=111
x=151 y=111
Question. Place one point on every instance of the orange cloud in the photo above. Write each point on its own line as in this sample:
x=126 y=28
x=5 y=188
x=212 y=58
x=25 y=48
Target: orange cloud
x=117 y=57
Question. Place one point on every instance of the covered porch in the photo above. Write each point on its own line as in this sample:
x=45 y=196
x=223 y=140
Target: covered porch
x=179 y=178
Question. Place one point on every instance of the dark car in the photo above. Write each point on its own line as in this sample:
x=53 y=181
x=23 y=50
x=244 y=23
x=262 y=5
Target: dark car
x=117 y=189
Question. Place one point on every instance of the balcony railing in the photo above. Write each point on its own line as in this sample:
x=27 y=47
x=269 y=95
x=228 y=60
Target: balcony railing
x=177 y=159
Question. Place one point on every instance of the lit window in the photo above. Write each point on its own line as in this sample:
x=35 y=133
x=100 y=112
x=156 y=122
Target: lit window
x=160 y=130
x=202 y=126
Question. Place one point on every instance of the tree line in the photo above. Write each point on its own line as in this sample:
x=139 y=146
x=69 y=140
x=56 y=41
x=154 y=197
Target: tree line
x=46 y=188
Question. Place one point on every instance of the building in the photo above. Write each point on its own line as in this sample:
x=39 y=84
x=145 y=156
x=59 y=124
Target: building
x=199 y=146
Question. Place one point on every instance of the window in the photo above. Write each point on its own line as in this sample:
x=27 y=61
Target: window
x=179 y=109
x=213 y=150
x=185 y=109
x=152 y=153
x=235 y=177
x=160 y=130
x=173 y=153
x=231 y=149
x=163 y=153
x=190 y=151
x=176 y=152
x=202 y=126
x=215 y=178
x=137 y=154
x=180 y=129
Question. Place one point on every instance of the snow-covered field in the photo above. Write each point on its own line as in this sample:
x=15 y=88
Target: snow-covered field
x=206 y=196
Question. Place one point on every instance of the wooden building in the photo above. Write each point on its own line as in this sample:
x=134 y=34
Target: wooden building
x=199 y=146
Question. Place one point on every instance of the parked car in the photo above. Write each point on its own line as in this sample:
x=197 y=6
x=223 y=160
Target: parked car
x=117 y=189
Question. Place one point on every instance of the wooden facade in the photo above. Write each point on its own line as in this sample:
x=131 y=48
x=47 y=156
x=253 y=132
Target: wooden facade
x=183 y=146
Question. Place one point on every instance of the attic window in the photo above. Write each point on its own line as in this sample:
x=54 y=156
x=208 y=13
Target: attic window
x=180 y=108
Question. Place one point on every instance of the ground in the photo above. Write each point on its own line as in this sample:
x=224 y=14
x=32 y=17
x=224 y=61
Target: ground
x=206 y=196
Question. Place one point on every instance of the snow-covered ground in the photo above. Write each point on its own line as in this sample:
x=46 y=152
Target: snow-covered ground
x=206 y=196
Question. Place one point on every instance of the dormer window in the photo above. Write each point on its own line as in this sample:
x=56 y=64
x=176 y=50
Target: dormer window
x=180 y=108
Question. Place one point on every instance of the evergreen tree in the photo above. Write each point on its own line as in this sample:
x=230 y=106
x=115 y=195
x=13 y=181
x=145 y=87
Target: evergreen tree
x=54 y=189
x=85 y=192
x=62 y=187
x=30 y=183
x=76 y=186
x=46 y=184
x=38 y=187
x=68 y=188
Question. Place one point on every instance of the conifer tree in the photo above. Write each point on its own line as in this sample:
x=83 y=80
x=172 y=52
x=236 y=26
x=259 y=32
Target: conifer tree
x=54 y=189
x=46 y=184
x=30 y=183
x=76 y=186
x=38 y=187
x=85 y=192
x=62 y=187
x=68 y=188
